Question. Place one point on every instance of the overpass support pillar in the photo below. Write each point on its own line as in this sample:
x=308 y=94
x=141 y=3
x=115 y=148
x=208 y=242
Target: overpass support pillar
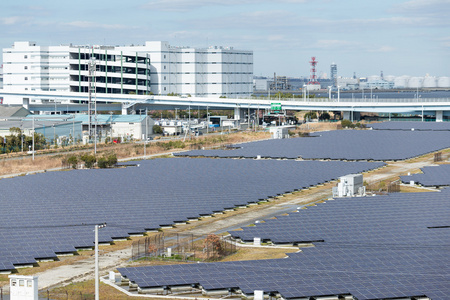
x=124 y=110
x=351 y=115
x=347 y=115
x=439 y=116
x=239 y=114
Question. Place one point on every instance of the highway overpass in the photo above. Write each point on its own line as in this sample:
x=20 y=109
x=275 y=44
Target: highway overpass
x=68 y=101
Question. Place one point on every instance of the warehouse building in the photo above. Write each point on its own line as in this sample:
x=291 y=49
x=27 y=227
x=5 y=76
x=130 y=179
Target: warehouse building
x=153 y=68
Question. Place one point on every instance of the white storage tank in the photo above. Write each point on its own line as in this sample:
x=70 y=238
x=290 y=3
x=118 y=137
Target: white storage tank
x=443 y=82
x=415 y=82
x=401 y=81
x=389 y=78
x=373 y=78
x=429 y=82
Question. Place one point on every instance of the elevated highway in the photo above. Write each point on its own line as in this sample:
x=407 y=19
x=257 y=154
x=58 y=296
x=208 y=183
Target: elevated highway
x=68 y=101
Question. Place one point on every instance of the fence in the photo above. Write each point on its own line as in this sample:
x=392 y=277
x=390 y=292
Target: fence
x=61 y=294
x=438 y=157
x=184 y=247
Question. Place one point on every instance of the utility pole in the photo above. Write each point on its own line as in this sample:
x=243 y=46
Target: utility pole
x=97 y=290
x=92 y=108
x=146 y=132
x=32 y=150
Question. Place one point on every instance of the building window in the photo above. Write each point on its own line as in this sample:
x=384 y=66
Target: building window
x=25 y=67
x=164 y=77
x=164 y=56
x=25 y=56
x=164 y=67
x=26 y=78
x=164 y=88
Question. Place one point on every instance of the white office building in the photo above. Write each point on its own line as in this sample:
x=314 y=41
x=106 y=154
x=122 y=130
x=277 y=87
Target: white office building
x=213 y=71
x=154 y=68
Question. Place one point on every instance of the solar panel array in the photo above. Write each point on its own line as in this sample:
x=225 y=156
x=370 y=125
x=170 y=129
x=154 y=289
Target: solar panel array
x=383 y=220
x=38 y=211
x=341 y=145
x=410 y=125
x=374 y=248
x=431 y=176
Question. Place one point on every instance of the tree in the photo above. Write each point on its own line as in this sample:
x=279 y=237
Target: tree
x=107 y=162
x=212 y=244
x=310 y=115
x=157 y=129
x=73 y=161
x=347 y=124
x=325 y=116
x=89 y=160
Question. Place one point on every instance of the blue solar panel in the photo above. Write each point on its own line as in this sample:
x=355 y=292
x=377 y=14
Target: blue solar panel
x=135 y=199
x=411 y=125
x=374 y=248
x=431 y=176
x=341 y=145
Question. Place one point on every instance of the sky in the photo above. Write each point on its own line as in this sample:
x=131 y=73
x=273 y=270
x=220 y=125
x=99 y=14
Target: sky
x=365 y=37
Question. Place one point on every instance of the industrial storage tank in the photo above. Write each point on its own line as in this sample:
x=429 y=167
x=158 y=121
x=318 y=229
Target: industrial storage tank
x=389 y=78
x=401 y=82
x=429 y=82
x=443 y=82
x=415 y=82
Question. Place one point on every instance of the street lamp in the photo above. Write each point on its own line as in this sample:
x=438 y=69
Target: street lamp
x=54 y=134
x=339 y=93
x=97 y=290
x=329 y=93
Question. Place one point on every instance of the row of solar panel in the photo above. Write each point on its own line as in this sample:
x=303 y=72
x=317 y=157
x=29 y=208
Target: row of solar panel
x=411 y=125
x=341 y=145
x=135 y=199
x=387 y=259
x=431 y=176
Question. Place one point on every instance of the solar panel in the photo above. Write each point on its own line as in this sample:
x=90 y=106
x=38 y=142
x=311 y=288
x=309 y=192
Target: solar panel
x=374 y=248
x=340 y=145
x=431 y=176
x=159 y=192
x=411 y=125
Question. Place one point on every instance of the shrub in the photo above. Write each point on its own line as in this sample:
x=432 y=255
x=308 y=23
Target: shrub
x=107 y=162
x=102 y=162
x=73 y=161
x=157 y=129
x=89 y=160
x=347 y=124
x=112 y=160
x=325 y=116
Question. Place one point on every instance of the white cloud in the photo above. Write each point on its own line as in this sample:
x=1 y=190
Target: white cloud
x=423 y=6
x=184 y=5
x=88 y=24
x=11 y=20
x=445 y=41
x=381 y=49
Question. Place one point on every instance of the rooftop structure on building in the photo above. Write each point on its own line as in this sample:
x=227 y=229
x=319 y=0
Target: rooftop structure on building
x=153 y=68
x=13 y=111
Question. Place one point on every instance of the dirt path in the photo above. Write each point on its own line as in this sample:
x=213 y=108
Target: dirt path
x=84 y=269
